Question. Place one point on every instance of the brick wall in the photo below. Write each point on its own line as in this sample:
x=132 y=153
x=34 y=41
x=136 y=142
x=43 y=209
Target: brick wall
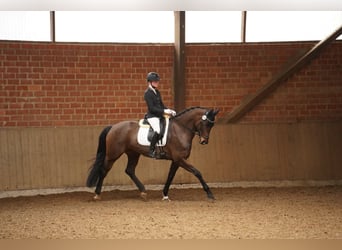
x=48 y=85
x=77 y=84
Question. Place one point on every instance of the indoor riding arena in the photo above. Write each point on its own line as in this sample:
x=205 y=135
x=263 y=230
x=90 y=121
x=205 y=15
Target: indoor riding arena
x=273 y=161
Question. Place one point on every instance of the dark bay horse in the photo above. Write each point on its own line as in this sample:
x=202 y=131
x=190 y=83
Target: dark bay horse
x=122 y=138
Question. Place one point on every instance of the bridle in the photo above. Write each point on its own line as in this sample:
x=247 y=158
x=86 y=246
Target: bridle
x=197 y=131
x=205 y=118
x=211 y=124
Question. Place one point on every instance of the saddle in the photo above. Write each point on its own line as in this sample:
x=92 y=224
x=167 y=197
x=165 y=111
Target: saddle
x=146 y=132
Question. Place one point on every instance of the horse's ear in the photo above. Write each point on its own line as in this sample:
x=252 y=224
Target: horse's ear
x=215 y=111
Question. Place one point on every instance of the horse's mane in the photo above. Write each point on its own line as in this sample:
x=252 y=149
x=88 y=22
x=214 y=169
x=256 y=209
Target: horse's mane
x=187 y=110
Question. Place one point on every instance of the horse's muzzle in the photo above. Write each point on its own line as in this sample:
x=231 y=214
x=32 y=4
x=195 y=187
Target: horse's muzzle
x=203 y=140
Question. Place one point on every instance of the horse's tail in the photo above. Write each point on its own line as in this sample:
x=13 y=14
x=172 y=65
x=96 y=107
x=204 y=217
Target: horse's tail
x=95 y=169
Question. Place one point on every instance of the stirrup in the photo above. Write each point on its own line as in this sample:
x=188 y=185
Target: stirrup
x=152 y=154
x=161 y=155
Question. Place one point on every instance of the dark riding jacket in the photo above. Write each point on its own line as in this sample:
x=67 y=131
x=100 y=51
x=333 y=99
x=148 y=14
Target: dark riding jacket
x=155 y=105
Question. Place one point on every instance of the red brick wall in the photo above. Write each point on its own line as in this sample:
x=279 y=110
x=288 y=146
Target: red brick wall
x=47 y=85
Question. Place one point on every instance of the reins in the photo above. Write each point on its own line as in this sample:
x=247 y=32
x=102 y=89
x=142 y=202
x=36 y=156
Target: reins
x=191 y=130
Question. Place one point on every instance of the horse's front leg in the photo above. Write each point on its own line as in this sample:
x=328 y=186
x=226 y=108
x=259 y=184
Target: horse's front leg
x=172 y=172
x=133 y=159
x=187 y=166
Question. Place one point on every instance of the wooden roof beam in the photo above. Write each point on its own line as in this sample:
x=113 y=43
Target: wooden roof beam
x=281 y=76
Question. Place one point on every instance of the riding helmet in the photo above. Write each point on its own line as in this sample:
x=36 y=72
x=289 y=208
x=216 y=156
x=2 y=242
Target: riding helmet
x=153 y=77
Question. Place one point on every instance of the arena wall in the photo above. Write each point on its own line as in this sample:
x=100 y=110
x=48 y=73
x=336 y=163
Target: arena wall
x=56 y=97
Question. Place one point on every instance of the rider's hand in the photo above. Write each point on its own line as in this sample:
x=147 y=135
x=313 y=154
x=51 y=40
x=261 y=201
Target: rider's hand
x=170 y=112
x=167 y=111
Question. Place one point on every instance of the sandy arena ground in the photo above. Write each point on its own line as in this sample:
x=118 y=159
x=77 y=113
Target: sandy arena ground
x=237 y=213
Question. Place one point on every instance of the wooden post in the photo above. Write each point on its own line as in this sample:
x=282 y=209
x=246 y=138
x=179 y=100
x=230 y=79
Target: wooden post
x=243 y=26
x=52 y=27
x=179 y=62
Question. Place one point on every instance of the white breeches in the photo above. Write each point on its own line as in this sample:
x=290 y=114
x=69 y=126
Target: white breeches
x=155 y=124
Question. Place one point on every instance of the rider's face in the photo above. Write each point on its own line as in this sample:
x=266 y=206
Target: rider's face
x=155 y=84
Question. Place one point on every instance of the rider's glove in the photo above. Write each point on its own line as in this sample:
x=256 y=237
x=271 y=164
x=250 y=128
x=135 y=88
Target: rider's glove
x=170 y=112
x=173 y=113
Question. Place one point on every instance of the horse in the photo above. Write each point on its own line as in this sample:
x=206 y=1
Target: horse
x=121 y=138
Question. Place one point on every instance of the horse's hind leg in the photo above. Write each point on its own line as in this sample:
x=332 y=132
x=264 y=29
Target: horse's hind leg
x=133 y=159
x=104 y=171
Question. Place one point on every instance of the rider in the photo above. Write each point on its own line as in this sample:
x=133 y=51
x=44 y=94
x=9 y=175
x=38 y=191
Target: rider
x=155 y=108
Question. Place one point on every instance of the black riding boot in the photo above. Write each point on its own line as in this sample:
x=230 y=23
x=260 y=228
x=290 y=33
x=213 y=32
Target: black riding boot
x=154 y=140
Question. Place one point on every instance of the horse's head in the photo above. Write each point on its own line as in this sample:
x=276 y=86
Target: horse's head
x=204 y=125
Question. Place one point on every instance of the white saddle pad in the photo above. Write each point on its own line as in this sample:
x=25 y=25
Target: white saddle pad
x=143 y=133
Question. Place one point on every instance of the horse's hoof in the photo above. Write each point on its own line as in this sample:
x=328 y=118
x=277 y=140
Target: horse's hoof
x=143 y=195
x=166 y=198
x=97 y=197
x=212 y=200
x=211 y=197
